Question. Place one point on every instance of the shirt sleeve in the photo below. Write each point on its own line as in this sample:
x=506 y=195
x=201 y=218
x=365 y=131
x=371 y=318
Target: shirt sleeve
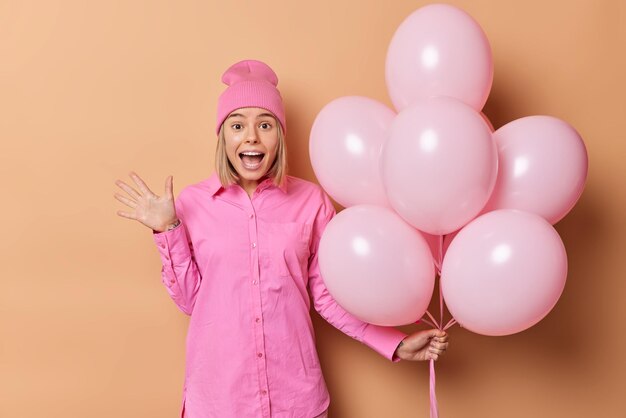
x=179 y=272
x=383 y=340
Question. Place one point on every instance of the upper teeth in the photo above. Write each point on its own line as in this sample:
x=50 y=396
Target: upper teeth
x=252 y=153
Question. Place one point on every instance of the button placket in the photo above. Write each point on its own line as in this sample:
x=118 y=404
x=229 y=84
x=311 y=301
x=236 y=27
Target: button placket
x=257 y=313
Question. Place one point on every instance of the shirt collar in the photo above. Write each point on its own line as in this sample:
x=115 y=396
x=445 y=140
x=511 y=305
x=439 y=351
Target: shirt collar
x=269 y=183
x=214 y=185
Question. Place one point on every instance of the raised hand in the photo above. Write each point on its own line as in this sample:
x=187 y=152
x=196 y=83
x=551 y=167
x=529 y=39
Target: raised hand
x=155 y=212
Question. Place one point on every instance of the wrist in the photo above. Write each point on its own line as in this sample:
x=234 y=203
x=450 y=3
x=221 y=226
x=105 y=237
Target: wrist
x=169 y=226
x=172 y=225
x=398 y=349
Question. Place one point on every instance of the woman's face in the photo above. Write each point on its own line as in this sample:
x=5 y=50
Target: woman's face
x=251 y=135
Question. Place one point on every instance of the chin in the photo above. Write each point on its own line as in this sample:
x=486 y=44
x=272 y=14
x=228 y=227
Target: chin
x=251 y=176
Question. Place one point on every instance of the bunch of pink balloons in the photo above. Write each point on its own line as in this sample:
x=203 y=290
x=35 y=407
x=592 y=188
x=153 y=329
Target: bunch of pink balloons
x=433 y=175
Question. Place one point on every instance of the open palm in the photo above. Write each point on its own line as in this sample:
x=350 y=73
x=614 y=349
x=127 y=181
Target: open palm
x=155 y=212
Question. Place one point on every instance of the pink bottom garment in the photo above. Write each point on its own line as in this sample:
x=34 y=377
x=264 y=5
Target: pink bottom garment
x=322 y=415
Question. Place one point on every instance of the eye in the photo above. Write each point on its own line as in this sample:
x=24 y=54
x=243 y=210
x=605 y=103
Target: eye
x=236 y=126
x=266 y=125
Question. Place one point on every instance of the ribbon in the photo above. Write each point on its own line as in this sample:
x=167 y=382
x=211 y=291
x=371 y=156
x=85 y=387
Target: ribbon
x=434 y=407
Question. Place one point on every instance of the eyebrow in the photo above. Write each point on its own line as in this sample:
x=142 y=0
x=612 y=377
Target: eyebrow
x=262 y=115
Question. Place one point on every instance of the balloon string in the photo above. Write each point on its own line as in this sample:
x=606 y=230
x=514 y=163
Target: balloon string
x=426 y=321
x=434 y=406
x=438 y=257
x=449 y=324
x=434 y=409
x=432 y=318
x=440 y=305
x=437 y=266
x=440 y=253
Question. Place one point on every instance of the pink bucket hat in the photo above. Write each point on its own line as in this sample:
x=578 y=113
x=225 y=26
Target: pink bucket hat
x=251 y=83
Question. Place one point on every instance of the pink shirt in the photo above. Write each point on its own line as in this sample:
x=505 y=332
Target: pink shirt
x=245 y=270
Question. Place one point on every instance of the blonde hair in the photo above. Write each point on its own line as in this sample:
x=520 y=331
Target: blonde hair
x=227 y=173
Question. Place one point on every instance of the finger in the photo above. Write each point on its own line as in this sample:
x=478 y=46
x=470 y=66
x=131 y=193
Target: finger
x=128 y=189
x=435 y=351
x=441 y=339
x=126 y=214
x=433 y=356
x=441 y=346
x=435 y=333
x=125 y=200
x=140 y=183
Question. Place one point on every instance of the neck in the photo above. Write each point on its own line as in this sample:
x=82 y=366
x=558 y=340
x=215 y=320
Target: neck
x=249 y=186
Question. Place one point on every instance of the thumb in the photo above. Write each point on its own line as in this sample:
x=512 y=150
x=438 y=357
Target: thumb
x=436 y=333
x=169 y=186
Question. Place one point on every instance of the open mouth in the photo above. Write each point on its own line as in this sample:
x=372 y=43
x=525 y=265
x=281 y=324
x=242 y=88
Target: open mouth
x=251 y=159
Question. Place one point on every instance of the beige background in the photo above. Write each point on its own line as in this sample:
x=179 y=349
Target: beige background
x=92 y=89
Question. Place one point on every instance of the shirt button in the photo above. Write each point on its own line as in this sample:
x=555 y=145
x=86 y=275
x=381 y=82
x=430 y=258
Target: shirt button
x=263 y=392
x=254 y=245
x=162 y=245
x=172 y=281
x=251 y=215
x=257 y=320
x=254 y=282
x=260 y=355
x=166 y=256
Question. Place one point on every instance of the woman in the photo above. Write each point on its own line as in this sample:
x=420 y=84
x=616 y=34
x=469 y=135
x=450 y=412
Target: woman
x=239 y=254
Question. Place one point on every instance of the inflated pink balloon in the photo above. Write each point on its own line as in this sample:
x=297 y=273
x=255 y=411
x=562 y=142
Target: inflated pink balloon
x=376 y=266
x=439 y=164
x=503 y=272
x=439 y=50
x=543 y=167
x=345 y=145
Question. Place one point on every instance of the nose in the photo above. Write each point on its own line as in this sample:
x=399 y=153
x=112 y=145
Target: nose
x=252 y=136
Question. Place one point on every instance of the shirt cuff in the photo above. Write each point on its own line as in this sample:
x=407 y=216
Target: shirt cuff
x=383 y=340
x=154 y=232
x=173 y=245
